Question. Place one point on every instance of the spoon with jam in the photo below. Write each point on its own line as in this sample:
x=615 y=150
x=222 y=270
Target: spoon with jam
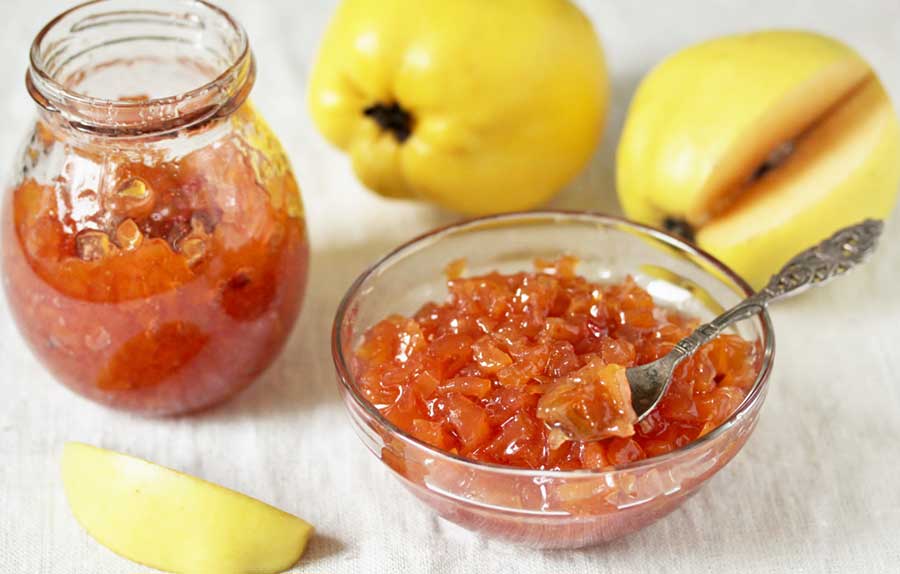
x=831 y=258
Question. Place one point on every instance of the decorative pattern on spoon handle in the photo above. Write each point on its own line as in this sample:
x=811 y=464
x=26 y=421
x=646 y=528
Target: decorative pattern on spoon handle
x=832 y=257
x=835 y=256
x=702 y=335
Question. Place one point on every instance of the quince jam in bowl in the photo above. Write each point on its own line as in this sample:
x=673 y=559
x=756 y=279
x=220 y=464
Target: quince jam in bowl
x=154 y=243
x=484 y=364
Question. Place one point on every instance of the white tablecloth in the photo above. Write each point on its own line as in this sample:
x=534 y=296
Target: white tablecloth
x=815 y=490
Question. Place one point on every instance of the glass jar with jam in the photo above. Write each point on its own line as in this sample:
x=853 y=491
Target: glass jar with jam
x=154 y=246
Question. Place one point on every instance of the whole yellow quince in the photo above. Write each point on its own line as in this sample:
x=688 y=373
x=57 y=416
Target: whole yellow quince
x=479 y=106
x=758 y=146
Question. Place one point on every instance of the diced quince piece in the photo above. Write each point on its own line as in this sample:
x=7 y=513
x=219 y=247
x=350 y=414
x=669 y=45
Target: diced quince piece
x=92 y=245
x=592 y=403
x=164 y=519
x=128 y=235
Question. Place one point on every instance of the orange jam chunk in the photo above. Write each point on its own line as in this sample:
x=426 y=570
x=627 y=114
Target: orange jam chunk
x=528 y=370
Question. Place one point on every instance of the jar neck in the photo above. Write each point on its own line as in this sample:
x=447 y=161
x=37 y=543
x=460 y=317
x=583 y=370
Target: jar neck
x=110 y=68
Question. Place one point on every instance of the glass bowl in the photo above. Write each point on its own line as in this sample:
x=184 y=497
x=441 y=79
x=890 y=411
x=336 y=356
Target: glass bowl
x=546 y=508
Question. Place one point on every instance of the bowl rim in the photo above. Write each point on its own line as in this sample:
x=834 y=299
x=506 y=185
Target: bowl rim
x=754 y=395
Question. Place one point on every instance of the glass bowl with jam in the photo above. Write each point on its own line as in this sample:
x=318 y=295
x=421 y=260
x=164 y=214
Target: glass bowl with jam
x=475 y=360
x=154 y=243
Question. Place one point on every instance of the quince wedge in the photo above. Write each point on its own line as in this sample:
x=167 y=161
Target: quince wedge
x=758 y=146
x=174 y=522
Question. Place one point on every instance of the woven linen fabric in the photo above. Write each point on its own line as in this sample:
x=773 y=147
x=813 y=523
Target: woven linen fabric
x=815 y=490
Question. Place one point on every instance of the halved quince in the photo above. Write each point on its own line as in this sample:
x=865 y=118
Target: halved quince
x=759 y=145
x=164 y=519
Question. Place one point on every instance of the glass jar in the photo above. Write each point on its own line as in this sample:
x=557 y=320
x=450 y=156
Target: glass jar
x=154 y=244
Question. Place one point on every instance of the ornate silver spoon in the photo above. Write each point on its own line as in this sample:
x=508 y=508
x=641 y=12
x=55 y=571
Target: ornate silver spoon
x=832 y=257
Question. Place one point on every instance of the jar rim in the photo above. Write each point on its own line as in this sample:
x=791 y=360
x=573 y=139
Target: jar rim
x=124 y=117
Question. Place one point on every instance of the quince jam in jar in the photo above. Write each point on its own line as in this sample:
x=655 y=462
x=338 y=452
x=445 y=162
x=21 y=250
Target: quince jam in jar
x=528 y=370
x=154 y=244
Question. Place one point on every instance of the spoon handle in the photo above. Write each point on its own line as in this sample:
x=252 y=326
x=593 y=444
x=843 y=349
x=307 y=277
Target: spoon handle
x=847 y=248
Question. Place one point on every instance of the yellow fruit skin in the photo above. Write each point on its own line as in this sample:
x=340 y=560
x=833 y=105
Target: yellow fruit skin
x=706 y=117
x=508 y=97
x=164 y=519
